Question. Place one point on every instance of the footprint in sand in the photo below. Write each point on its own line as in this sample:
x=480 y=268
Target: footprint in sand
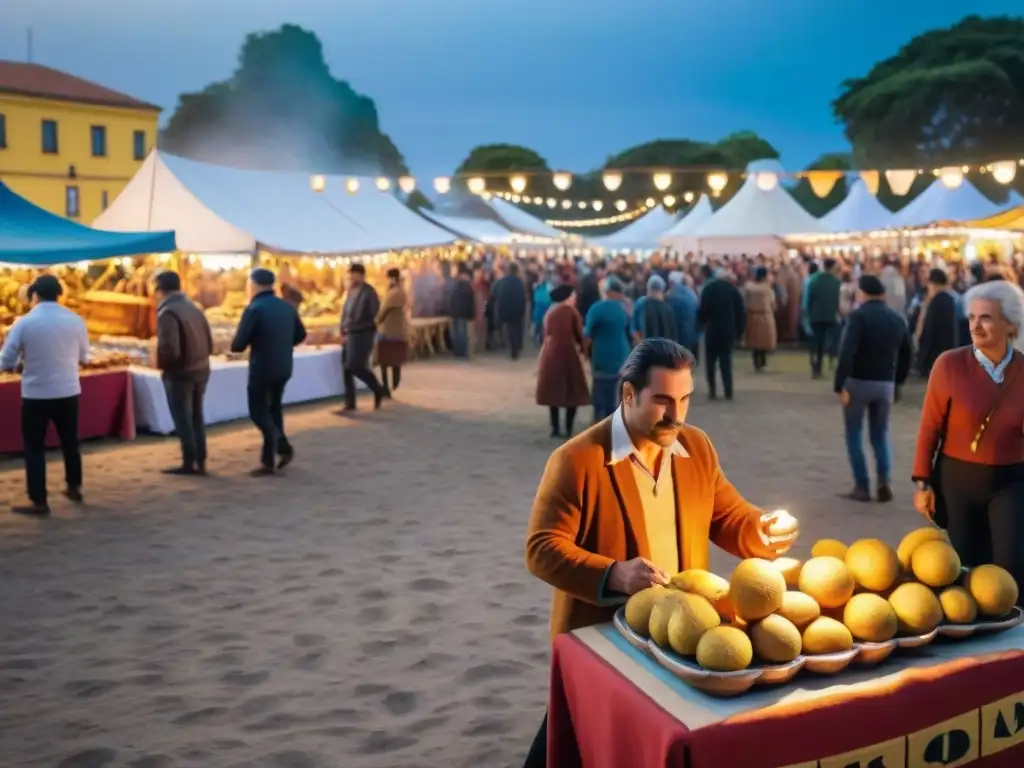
x=90 y=758
x=430 y=584
x=247 y=679
x=309 y=641
x=400 y=702
x=200 y=716
x=493 y=671
x=87 y=689
x=380 y=742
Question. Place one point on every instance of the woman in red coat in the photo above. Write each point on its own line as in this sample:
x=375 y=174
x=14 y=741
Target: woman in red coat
x=561 y=382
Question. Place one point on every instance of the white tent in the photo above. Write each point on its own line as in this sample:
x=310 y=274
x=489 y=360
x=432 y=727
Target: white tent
x=939 y=203
x=478 y=230
x=756 y=220
x=216 y=209
x=679 y=237
x=520 y=220
x=860 y=211
x=639 y=235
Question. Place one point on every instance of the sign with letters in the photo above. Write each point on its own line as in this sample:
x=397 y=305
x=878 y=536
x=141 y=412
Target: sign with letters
x=888 y=754
x=1002 y=724
x=948 y=744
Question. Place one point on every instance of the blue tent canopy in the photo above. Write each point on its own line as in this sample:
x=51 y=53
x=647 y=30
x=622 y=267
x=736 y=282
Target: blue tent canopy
x=32 y=236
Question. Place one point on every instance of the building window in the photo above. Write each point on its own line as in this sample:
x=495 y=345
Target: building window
x=71 y=202
x=3 y=132
x=139 y=142
x=98 y=134
x=50 y=146
x=104 y=200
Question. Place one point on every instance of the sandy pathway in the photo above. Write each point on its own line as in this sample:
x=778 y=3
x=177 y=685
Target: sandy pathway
x=369 y=609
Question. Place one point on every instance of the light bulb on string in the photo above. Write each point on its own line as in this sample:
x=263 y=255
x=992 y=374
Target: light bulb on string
x=669 y=201
x=442 y=185
x=383 y=183
x=567 y=204
x=407 y=184
x=518 y=184
x=562 y=180
x=650 y=202
x=1004 y=172
x=620 y=205
x=515 y=198
x=582 y=204
x=538 y=201
x=766 y=181
x=317 y=183
x=612 y=180
x=552 y=202
x=662 y=181
x=597 y=205
x=717 y=181
x=688 y=197
x=351 y=185
x=476 y=185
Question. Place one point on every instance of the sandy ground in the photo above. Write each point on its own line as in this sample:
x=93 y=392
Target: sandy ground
x=371 y=608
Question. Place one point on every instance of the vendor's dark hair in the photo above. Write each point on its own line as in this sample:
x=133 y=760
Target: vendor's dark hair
x=653 y=353
x=168 y=282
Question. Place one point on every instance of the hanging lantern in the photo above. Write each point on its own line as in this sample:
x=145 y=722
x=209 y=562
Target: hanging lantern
x=612 y=180
x=538 y=201
x=871 y=180
x=515 y=198
x=562 y=180
x=567 y=204
x=688 y=197
x=552 y=202
x=518 y=183
x=351 y=185
x=317 y=183
x=442 y=185
x=620 y=205
x=476 y=185
x=822 y=182
x=1004 y=172
x=717 y=181
x=766 y=181
x=383 y=183
x=582 y=204
x=662 y=181
x=650 y=202
x=598 y=205
x=407 y=184
x=669 y=201
x=900 y=181
x=951 y=177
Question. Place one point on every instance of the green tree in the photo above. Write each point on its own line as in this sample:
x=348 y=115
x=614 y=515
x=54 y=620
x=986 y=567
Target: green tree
x=501 y=159
x=949 y=96
x=282 y=109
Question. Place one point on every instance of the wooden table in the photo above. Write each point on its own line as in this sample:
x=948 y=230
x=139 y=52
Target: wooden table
x=426 y=336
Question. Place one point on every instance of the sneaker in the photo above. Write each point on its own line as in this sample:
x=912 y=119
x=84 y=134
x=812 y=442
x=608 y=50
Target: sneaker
x=74 y=494
x=884 y=493
x=857 y=494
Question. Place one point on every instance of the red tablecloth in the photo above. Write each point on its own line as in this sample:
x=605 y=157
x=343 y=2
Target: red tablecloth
x=612 y=707
x=107 y=409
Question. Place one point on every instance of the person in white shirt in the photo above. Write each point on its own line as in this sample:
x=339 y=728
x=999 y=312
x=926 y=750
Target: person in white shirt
x=48 y=344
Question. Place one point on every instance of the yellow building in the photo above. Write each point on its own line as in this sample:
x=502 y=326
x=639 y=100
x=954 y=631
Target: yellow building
x=66 y=144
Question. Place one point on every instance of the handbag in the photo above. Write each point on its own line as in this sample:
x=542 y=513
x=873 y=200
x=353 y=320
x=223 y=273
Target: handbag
x=941 y=514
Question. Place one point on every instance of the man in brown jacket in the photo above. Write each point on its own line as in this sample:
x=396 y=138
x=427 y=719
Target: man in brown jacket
x=184 y=345
x=634 y=500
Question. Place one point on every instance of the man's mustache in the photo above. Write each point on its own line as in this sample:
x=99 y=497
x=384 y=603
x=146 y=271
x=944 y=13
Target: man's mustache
x=668 y=424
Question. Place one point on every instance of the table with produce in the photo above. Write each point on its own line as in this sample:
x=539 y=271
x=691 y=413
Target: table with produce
x=863 y=656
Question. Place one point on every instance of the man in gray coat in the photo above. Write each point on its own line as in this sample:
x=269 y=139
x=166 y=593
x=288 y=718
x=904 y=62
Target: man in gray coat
x=358 y=334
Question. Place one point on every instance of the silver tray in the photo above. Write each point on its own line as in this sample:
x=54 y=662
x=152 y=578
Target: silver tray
x=635 y=640
x=961 y=631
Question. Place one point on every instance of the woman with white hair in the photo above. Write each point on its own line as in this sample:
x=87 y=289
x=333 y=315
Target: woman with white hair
x=969 y=463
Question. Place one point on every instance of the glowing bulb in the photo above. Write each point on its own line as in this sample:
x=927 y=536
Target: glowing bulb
x=1004 y=172
x=383 y=183
x=407 y=184
x=717 y=182
x=352 y=185
x=476 y=185
x=538 y=201
x=442 y=185
x=766 y=181
x=951 y=177
x=562 y=180
x=317 y=183
x=620 y=205
x=518 y=184
x=612 y=180
x=669 y=201
x=552 y=202
x=598 y=205
x=688 y=197
x=567 y=204
x=582 y=204
x=662 y=181
x=516 y=198
x=486 y=195
x=650 y=202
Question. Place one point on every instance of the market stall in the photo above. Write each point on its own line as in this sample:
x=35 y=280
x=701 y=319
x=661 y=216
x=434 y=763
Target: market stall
x=947 y=705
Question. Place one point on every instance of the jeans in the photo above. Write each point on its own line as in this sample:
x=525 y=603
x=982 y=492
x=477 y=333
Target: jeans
x=364 y=374
x=513 y=332
x=605 y=395
x=265 y=412
x=875 y=398
x=460 y=337
x=36 y=416
x=720 y=356
x=185 y=401
x=820 y=335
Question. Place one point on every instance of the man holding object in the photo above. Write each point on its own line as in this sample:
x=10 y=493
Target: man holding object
x=635 y=499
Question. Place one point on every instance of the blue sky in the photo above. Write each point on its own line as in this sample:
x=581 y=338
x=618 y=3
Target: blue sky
x=575 y=79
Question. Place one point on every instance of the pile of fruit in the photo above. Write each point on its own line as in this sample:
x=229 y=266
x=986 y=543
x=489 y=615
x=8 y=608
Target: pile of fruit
x=775 y=611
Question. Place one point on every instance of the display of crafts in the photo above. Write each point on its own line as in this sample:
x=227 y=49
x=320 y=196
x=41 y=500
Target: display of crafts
x=844 y=605
x=105 y=360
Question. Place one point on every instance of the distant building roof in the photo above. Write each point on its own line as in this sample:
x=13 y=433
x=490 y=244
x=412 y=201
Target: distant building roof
x=43 y=82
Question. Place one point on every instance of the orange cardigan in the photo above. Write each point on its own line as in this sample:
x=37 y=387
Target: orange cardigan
x=587 y=515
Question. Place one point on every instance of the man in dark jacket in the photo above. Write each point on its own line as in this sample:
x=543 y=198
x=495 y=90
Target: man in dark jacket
x=270 y=328
x=874 y=359
x=509 y=294
x=462 y=308
x=723 y=316
x=823 y=313
x=358 y=335
x=589 y=291
x=183 y=348
x=941 y=328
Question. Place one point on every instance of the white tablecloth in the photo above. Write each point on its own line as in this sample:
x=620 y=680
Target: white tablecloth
x=317 y=375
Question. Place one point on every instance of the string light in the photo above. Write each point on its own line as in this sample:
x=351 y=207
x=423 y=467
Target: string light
x=515 y=198
x=621 y=205
x=442 y=185
x=612 y=180
x=552 y=202
x=476 y=185
x=518 y=183
x=567 y=204
x=582 y=204
x=383 y=183
x=407 y=184
x=662 y=181
x=651 y=202
x=351 y=185
x=562 y=180
x=602 y=222
x=717 y=182
x=688 y=197
x=669 y=201
x=1004 y=172
x=598 y=205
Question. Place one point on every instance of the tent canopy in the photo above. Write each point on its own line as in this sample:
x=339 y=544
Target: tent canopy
x=1012 y=219
x=938 y=203
x=639 y=235
x=520 y=220
x=860 y=211
x=33 y=236
x=216 y=209
x=478 y=230
x=691 y=221
x=753 y=212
